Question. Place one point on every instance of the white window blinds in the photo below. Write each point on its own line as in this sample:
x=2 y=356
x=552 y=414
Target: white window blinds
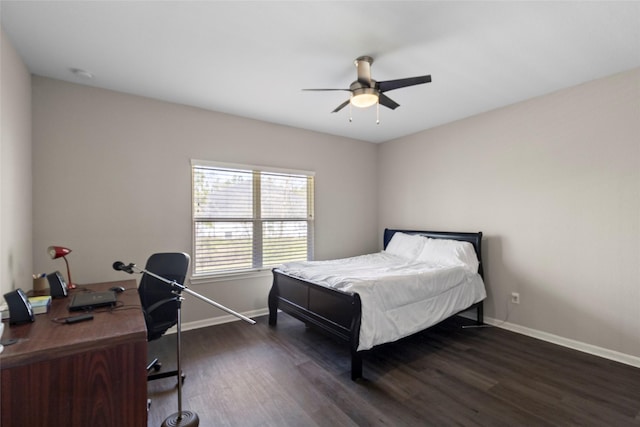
x=247 y=218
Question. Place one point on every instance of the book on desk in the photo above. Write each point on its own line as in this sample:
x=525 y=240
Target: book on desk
x=39 y=305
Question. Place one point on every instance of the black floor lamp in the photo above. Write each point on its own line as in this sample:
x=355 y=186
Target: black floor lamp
x=182 y=417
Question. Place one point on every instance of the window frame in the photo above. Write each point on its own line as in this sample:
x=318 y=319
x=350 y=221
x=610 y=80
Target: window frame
x=255 y=170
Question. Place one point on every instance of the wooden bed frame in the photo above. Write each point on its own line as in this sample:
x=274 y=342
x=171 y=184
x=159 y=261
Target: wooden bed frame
x=338 y=312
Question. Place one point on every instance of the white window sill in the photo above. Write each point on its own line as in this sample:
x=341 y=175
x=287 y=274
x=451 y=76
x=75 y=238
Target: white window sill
x=225 y=277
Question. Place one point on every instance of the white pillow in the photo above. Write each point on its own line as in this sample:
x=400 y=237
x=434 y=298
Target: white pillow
x=405 y=245
x=449 y=253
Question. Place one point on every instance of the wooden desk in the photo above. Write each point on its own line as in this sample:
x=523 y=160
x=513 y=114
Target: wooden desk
x=87 y=374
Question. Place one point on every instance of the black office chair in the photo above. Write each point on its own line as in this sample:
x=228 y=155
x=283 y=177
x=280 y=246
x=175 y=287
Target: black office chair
x=159 y=303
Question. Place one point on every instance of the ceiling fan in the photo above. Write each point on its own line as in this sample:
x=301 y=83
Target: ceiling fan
x=366 y=92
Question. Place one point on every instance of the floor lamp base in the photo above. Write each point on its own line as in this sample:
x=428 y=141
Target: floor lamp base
x=180 y=419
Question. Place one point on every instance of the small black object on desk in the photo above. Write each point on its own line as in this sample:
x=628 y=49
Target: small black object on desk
x=80 y=318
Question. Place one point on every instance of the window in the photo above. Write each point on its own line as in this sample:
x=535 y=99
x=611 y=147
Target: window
x=248 y=218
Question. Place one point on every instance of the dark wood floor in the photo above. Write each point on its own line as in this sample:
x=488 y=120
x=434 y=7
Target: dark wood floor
x=243 y=375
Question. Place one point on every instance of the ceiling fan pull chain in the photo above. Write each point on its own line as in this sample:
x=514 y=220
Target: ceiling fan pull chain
x=377 y=113
x=350 y=115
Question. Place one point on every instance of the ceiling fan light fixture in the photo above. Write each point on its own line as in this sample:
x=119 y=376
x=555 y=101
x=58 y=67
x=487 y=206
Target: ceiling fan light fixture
x=365 y=97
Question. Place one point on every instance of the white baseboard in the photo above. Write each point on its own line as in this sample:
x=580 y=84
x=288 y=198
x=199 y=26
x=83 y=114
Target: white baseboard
x=566 y=342
x=217 y=320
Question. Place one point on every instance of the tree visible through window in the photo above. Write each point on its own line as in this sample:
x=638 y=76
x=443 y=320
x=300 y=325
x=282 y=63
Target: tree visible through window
x=247 y=218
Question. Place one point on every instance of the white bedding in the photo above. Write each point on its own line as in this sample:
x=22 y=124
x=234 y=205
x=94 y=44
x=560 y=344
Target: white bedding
x=399 y=296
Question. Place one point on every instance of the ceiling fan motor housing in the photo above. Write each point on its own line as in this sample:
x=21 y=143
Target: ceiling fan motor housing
x=363 y=65
x=364 y=92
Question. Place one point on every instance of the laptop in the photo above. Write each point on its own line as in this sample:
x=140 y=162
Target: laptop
x=84 y=301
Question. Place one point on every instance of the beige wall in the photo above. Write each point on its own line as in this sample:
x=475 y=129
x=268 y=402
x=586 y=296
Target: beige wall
x=112 y=182
x=554 y=183
x=16 y=265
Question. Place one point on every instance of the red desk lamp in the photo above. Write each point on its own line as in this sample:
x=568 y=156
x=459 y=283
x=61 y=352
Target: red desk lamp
x=57 y=252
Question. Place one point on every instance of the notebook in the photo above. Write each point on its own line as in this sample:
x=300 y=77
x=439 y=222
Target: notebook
x=90 y=300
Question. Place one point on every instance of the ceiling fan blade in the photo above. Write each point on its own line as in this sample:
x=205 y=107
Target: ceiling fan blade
x=322 y=90
x=341 y=106
x=397 y=84
x=387 y=102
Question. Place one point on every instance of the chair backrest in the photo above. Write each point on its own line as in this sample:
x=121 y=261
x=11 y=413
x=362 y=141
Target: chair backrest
x=157 y=299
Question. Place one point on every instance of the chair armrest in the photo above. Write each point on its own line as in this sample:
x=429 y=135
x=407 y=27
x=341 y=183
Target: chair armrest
x=149 y=310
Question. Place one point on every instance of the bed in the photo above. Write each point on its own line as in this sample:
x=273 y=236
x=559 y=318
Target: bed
x=343 y=297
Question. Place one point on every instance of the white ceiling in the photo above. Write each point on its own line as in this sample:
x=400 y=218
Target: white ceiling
x=253 y=58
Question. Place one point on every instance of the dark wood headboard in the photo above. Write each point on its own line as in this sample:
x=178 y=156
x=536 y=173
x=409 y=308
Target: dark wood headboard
x=474 y=238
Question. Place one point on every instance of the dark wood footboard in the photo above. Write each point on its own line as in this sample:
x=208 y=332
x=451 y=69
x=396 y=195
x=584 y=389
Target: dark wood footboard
x=338 y=312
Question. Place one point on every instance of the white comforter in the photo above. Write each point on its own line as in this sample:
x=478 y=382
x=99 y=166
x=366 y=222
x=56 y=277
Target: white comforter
x=399 y=296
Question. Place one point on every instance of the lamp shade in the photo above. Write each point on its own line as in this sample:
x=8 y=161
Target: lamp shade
x=58 y=251
x=62 y=252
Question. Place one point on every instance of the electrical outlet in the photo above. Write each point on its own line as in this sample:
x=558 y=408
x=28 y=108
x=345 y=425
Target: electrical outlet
x=515 y=298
